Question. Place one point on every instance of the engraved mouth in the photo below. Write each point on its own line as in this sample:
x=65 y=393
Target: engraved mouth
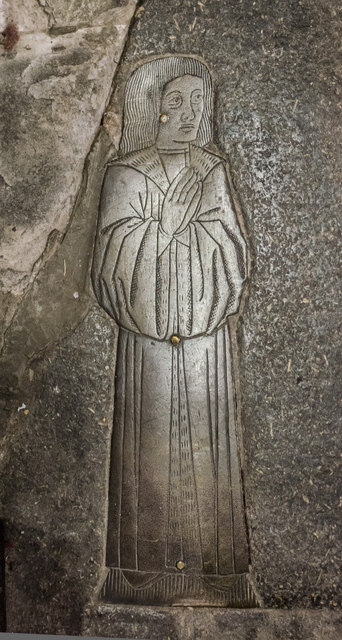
x=187 y=127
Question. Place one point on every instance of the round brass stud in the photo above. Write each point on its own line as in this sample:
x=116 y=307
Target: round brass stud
x=163 y=118
x=175 y=340
x=180 y=565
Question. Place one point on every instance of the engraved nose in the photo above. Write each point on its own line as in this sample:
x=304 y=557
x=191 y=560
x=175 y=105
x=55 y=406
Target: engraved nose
x=187 y=113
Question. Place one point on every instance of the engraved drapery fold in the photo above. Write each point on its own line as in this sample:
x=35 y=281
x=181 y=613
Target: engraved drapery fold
x=175 y=487
x=175 y=483
x=194 y=282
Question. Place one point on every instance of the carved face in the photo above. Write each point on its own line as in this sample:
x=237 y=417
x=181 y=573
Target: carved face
x=182 y=103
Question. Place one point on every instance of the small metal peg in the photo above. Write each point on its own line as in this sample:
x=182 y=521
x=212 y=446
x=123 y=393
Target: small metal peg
x=163 y=118
x=180 y=565
x=175 y=340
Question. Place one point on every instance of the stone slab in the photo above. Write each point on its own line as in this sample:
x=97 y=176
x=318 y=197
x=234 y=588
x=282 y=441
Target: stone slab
x=185 y=623
x=278 y=113
x=278 y=118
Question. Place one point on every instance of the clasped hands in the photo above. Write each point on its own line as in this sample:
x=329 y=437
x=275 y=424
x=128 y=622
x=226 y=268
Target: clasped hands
x=181 y=201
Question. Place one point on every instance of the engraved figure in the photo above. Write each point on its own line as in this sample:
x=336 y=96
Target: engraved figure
x=169 y=267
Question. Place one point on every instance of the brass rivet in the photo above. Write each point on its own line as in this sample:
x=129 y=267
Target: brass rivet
x=180 y=565
x=175 y=340
x=163 y=117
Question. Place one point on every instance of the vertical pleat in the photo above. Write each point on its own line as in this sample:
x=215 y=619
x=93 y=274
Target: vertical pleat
x=175 y=482
x=196 y=354
x=117 y=458
x=238 y=516
x=154 y=454
x=225 y=523
x=128 y=494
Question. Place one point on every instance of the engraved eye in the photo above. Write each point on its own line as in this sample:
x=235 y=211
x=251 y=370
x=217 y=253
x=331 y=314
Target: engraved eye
x=174 y=101
x=196 y=97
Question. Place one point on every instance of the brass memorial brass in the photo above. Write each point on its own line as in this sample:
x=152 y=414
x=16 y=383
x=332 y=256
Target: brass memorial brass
x=169 y=268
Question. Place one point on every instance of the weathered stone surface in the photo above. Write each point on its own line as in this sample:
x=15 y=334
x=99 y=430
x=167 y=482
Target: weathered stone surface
x=278 y=116
x=54 y=499
x=187 y=623
x=54 y=88
x=61 y=294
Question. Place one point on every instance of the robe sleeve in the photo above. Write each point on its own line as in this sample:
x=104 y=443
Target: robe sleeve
x=126 y=249
x=188 y=284
x=211 y=268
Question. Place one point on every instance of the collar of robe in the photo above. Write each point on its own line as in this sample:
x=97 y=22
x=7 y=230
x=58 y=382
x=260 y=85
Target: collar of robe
x=148 y=162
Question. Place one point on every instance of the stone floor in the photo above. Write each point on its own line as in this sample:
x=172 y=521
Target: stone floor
x=187 y=623
x=278 y=121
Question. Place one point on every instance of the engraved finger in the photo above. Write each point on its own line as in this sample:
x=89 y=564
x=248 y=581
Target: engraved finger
x=187 y=187
x=182 y=183
x=194 y=193
x=195 y=203
x=174 y=184
x=192 y=206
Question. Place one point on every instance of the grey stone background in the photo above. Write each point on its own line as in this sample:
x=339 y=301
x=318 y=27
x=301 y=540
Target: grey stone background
x=277 y=72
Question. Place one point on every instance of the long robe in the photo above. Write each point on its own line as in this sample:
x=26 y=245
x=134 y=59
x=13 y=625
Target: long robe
x=175 y=493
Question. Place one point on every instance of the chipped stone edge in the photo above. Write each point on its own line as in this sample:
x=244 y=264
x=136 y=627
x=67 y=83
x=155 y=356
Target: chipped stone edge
x=55 y=237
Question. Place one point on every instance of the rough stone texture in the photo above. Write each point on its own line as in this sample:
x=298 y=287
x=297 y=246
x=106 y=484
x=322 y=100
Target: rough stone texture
x=278 y=117
x=55 y=498
x=54 y=86
x=55 y=153
x=60 y=295
x=186 y=623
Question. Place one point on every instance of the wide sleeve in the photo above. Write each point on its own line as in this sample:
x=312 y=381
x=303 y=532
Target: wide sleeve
x=211 y=266
x=188 y=283
x=126 y=249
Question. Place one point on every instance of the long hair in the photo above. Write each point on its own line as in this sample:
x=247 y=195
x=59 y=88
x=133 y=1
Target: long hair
x=143 y=98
